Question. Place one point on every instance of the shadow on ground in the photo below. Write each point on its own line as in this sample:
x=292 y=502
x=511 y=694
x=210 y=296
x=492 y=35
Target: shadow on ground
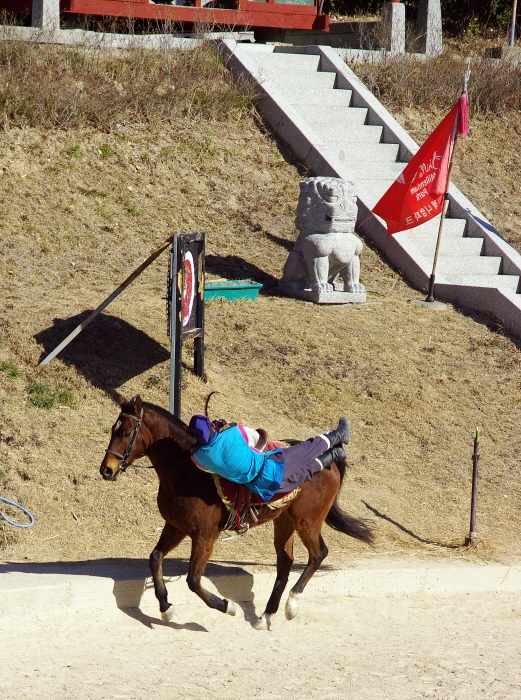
x=109 y=352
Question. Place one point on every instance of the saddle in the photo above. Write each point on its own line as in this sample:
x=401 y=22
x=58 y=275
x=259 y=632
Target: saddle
x=242 y=503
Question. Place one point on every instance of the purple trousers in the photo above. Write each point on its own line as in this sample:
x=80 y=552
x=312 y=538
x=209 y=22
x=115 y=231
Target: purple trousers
x=300 y=462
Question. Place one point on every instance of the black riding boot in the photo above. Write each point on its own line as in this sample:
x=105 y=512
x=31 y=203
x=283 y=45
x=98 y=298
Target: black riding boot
x=341 y=434
x=335 y=454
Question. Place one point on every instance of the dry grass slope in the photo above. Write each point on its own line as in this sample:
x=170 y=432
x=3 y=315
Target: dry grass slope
x=81 y=207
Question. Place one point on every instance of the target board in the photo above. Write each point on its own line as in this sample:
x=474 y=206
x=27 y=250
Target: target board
x=185 y=304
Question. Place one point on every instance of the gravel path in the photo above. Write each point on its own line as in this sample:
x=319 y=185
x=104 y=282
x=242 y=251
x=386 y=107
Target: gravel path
x=458 y=647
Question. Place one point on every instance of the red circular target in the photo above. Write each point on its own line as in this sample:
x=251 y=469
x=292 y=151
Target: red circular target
x=188 y=287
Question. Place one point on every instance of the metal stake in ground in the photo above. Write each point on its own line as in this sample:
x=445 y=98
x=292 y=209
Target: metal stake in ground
x=472 y=538
x=513 y=23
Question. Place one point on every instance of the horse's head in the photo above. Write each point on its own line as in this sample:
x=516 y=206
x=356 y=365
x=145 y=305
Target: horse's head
x=126 y=443
x=133 y=433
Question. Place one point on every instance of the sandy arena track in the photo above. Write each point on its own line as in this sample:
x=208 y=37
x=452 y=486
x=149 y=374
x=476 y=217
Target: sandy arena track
x=458 y=647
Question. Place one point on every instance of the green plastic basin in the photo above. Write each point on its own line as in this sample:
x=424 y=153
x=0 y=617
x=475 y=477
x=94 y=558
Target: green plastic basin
x=231 y=290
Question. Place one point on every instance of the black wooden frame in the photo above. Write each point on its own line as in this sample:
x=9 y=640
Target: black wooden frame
x=181 y=244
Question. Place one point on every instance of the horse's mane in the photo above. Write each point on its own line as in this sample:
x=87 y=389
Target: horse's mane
x=169 y=417
x=180 y=428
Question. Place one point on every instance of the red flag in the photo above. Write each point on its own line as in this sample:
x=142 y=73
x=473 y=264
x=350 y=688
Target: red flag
x=417 y=194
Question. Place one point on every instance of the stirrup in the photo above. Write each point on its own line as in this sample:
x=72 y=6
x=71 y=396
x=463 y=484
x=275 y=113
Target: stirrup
x=240 y=533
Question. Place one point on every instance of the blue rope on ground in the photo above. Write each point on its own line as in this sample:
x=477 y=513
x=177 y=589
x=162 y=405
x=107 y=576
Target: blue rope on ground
x=16 y=505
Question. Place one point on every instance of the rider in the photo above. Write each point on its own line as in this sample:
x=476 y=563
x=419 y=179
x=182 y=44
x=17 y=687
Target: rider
x=223 y=449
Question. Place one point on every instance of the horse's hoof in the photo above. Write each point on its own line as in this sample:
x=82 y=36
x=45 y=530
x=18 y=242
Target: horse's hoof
x=292 y=606
x=168 y=615
x=230 y=608
x=263 y=622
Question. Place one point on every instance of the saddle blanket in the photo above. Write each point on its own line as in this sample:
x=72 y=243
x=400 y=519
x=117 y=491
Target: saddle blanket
x=241 y=502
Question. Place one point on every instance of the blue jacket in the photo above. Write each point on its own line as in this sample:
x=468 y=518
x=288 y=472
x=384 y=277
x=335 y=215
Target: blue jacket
x=228 y=455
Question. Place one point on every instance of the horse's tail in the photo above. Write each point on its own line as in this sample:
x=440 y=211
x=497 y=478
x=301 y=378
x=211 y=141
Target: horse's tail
x=338 y=520
x=208 y=401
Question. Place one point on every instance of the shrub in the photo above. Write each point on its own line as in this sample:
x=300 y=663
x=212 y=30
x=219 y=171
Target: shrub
x=435 y=83
x=57 y=87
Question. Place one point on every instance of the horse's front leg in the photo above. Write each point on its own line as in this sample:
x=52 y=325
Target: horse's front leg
x=170 y=538
x=284 y=530
x=202 y=546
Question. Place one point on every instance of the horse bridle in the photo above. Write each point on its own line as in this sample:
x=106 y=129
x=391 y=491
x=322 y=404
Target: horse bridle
x=123 y=463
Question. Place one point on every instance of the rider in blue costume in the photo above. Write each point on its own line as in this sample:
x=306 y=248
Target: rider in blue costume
x=226 y=452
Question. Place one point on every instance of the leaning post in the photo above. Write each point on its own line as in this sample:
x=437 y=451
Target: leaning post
x=472 y=538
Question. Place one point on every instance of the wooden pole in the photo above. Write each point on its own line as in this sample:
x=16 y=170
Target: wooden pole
x=107 y=301
x=472 y=538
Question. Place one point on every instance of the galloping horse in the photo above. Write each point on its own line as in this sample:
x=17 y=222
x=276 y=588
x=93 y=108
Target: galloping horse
x=191 y=507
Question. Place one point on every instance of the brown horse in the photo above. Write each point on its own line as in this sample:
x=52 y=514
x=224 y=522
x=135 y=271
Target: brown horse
x=189 y=503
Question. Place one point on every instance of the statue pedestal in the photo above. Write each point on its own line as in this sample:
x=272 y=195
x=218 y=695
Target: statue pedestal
x=336 y=297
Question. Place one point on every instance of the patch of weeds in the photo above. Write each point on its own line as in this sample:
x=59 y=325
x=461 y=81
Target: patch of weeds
x=105 y=213
x=41 y=395
x=107 y=431
x=151 y=381
x=93 y=193
x=105 y=151
x=2 y=475
x=29 y=228
x=24 y=217
x=10 y=370
x=51 y=169
x=132 y=210
x=65 y=397
x=74 y=151
x=165 y=153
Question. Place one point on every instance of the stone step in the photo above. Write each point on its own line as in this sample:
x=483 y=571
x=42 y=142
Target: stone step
x=364 y=170
x=484 y=265
x=255 y=48
x=298 y=83
x=502 y=281
x=451 y=227
x=335 y=115
x=374 y=153
x=349 y=134
x=322 y=97
x=287 y=62
x=375 y=189
x=450 y=246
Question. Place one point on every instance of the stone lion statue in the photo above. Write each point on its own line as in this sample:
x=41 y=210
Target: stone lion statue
x=326 y=247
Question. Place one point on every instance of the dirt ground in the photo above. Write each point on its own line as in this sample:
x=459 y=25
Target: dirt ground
x=415 y=385
x=444 y=647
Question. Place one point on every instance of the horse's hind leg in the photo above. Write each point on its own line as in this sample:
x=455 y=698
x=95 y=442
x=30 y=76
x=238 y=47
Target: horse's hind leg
x=201 y=551
x=283 y=540
x=310 y=535
x=170 y=538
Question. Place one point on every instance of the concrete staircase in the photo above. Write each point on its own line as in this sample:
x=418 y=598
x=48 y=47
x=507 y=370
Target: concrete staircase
x=336 y=127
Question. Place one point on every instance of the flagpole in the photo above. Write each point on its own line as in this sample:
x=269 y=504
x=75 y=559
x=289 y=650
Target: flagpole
x=432 y=280
x=430 y=295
